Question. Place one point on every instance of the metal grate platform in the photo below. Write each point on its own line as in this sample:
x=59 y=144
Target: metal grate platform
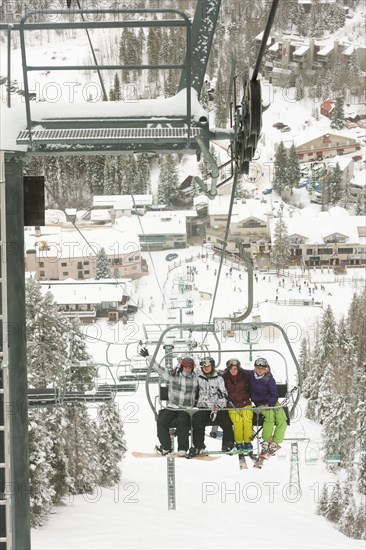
x=106 y=134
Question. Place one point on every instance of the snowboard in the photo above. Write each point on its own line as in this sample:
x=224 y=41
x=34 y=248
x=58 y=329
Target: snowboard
x=205 y=458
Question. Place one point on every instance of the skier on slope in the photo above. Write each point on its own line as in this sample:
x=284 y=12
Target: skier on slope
x=182 y=394
x=211 y=399
x=264 y=394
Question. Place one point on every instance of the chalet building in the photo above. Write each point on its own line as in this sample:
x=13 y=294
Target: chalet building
x=89 y=300
x=249 y=225
x=57 y=254
x=288 y=55
x=122 y=205
x=327 y=108
x=334 y=238
x=160 y=230
x=311 y=146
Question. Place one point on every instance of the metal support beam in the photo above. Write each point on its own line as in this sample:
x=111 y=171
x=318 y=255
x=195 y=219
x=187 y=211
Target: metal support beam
x=294 y=468
x=170 y=464
x=16 y=413
x=5 y=509
x=203 y=29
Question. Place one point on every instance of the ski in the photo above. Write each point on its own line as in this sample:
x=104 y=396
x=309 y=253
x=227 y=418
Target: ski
x=206 y=458
x=242 y=462
x=262 y=457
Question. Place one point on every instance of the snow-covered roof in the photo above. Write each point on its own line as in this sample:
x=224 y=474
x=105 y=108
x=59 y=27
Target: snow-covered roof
x=123 y=201
x=274 y=47
x=326 y=50
x=102 y=215
x=301 y=50
x=342 y=160
x=167 y=223
x=242 y=210
x=70 y=244
x=71 y=292
x=359 y=178
x=305 y=137
x=317 y=226
x=259 y=37
x=349 y=50
x=352 y=111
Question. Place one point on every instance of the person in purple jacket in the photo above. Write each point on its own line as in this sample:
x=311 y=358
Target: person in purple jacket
x=264 y=395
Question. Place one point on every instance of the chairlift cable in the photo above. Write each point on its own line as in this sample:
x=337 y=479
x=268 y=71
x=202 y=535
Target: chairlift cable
x=266 y=32
x=233 y=191
x=105 y=96
x=149 y=251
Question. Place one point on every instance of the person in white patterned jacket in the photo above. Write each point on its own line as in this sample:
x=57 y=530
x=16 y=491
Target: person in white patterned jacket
x=211 y=398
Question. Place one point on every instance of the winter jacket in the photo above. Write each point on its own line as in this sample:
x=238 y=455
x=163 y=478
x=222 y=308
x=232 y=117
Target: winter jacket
x=210 y=389
x=238 y=389
x=263 y=390
x=182 y=390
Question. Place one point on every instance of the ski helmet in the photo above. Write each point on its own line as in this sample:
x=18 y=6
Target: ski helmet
x=207 y=361
x=233 y=362
x=261 y=362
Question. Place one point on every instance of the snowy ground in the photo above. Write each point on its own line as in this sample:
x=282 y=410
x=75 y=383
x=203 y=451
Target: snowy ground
x=218 y=506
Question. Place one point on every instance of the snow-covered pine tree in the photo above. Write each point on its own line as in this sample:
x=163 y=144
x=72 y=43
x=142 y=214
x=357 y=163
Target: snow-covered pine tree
x=42 y=493
x=168 y=181
x=281 y=249
x=293 y=169
x=79 y=378
x=154 y=43
x=82 y=449
x=103 y=269
x=353 y=75
x=346 y=519
x=322 y=507
x=170 y=83
x=280 y=169
x=95 y=174
x=328 y=85
x=299 y=87
x=117 y=93
x=111 y=445
x=324 y=346
x=130 y=171
x=360 y=209
x=338 y=113
x=220 y=101
x=56 y=424
x=305 y=358
x=334 y=509
x=47 y=340
x=335 y=181
x=143 y=175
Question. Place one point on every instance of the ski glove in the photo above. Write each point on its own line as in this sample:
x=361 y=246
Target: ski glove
x=214 y=411
x=144 y=352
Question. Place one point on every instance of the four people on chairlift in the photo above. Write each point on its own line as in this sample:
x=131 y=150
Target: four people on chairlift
x=212 y=392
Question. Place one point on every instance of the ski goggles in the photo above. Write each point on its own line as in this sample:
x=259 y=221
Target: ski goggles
x=261 y=362
x=187 y=362
x=207 y=362
x=232 y=363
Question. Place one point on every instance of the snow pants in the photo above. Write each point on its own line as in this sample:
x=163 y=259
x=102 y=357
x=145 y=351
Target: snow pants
x=243 y=425
x=168 y=418
x=201 y=419
x=274 y=419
